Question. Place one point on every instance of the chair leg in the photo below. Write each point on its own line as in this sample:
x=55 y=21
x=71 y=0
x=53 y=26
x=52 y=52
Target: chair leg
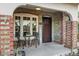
x=35 y=43
x=28 y=43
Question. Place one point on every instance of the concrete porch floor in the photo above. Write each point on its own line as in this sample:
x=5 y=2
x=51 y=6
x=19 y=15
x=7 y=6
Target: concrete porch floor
x=47 y=49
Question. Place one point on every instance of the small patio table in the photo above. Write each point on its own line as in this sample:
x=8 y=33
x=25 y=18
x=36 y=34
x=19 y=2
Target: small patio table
x=29 y=39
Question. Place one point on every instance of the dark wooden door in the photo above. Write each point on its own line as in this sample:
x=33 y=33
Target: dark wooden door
x=47 y=29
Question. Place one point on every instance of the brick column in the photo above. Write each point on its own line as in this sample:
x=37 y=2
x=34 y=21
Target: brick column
x=74 y=34
x=71 y=34
x=11 y=44
x=6 y=35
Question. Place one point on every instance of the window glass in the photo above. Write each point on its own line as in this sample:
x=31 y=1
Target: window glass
x=17 y=26
x=26 y=26
x=26 y=18
x=17 y=17
x=34 y=24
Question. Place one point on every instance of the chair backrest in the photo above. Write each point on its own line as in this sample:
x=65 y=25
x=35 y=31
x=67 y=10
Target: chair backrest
x=32 y=37
x=36 y=34
x=26 y=38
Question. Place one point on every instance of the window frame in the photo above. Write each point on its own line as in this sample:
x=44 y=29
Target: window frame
x=21 y=21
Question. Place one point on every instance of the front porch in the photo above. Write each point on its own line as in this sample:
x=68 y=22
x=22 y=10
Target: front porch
x=47 y=49
x=51 y=25
x=50 y=22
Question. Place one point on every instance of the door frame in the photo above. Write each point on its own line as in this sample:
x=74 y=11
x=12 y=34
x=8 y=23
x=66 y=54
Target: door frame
x=50 y=28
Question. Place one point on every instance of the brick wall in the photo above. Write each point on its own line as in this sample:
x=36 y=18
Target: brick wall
x=74 y=34
x=6 y=35
x=71 y=34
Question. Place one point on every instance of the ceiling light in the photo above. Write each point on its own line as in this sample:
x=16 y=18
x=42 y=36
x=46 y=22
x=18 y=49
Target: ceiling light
x=38 y=8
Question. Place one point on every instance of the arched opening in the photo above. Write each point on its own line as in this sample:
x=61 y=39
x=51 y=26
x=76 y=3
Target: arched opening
x=47 y=23
x=50 y=25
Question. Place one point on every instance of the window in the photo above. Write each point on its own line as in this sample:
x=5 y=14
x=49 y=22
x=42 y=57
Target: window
x=17 y=31
x=26 y=18
x=17 y=17
x=26 y=26
x=17 y=26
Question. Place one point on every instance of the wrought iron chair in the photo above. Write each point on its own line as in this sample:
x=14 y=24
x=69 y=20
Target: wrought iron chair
x=26 y=41
x=36 y=40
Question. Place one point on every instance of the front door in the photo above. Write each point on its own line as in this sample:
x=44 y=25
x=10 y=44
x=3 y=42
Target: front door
x=47 y=29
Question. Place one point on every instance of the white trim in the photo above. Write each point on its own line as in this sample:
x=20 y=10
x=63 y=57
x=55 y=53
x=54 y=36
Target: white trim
x=21 y=32
x=52 y=28
x=31 y=26
x=40 y=29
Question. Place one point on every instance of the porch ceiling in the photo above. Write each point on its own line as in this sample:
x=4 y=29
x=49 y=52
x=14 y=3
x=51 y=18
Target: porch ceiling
x=33 y=7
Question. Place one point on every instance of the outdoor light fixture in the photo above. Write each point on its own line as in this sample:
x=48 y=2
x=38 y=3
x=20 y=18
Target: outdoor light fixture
x=38 y=8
